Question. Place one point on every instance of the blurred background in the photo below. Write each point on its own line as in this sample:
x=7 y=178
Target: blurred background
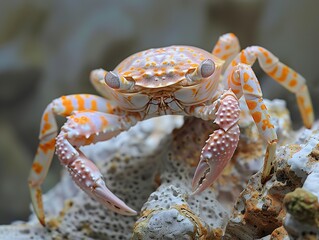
x=48 y=48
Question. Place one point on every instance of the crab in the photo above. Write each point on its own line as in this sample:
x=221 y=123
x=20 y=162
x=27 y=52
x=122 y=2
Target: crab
x=175 y=80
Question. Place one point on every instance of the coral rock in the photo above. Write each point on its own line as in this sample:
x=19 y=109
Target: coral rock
x=151 y=167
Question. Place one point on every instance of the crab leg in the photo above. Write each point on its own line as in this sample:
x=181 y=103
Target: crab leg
x=84 y=128
x=284 y=75
x=243 y=81
x=221 y=145
x=63 y=106
x=226 y=47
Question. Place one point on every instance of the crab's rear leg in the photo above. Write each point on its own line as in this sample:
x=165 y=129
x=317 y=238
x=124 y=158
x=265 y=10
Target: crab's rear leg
x=227 y=47
x=221 y=145
x=84 y=128
x=283 y=74
x=239 y=77
x=63 y=106
x=243 y=81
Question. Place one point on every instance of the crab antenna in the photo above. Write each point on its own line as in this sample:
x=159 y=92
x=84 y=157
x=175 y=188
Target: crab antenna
x=205 y=69
x=115 y=81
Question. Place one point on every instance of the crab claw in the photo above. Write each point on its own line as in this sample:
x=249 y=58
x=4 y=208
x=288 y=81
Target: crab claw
x=102 y=194
x=88 y=177
x=218 y=150
x=115 y=81
x=220 y=145
x=204 y=70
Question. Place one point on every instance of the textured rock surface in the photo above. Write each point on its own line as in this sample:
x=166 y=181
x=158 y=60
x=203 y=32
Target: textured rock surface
x=128 y=163
x=260 y=209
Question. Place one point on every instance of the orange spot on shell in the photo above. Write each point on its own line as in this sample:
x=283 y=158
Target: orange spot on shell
x=243 y=58
x=217 y=51
x=265 y=52
x=37 y=167
x=248 y=88
x=83 y=120
x=273 y=72
x=293 y=83
x=246 y=77
x=93 y=105
x=232 y=35
x=309 y=110
x=46 y=117
x=256 y=116
x=45 y=147
x=234 y=63
x=67 y=104
x=268 y=61
x=284 y=74
x=301 y=100
x=251 y=104
x=46 y=127
x=266 y=124
x=224 y=57
x=236 y=91
x=263 y=107
x=104 y=121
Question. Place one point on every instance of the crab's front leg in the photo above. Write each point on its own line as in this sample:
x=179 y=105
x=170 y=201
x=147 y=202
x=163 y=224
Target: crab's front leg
x=221 y=145
x=84 y=128
x=66 y=106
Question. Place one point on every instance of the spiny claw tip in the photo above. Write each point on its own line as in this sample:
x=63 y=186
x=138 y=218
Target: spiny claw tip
x=107 y=198
x=199 y=182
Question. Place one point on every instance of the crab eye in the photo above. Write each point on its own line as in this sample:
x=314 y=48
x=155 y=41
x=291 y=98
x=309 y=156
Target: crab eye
x=207 y=68
x=115 y=81
x=112 y=80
